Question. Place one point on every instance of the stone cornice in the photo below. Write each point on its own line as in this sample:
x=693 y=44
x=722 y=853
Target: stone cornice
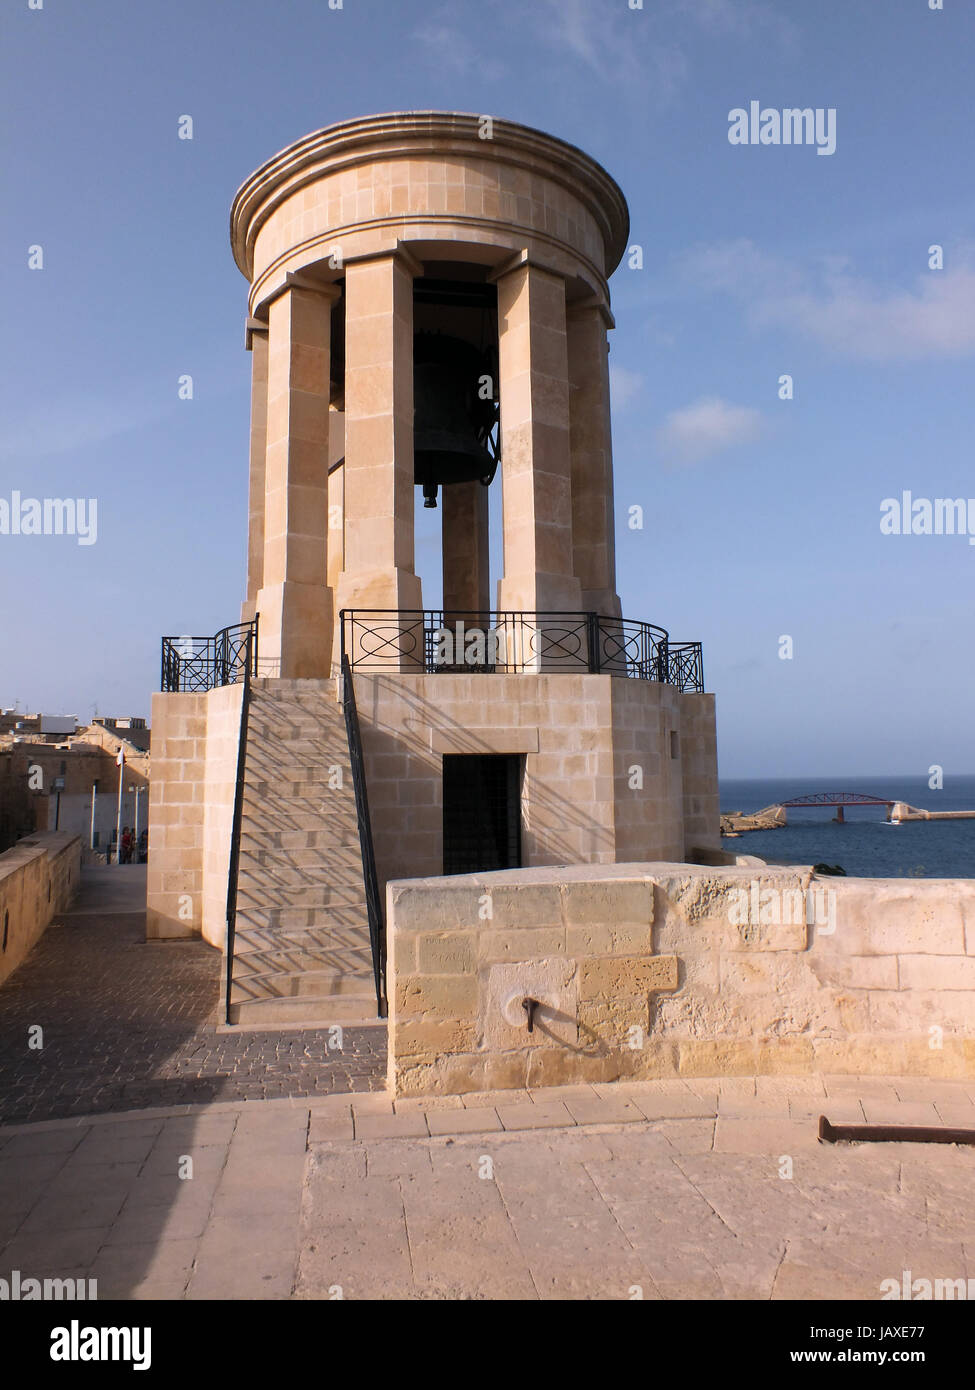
x=415 y=134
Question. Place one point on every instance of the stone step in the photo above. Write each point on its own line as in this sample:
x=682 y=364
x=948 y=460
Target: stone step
x=254 y=895
x=303 y=919
x=293 y=984
x=304 y=957
x=306 y=1011
x=326 y=871
x=320 y=839
x=351 y=939
x=324 y=858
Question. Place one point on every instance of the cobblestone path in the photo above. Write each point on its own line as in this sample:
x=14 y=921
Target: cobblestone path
x=128 y=1025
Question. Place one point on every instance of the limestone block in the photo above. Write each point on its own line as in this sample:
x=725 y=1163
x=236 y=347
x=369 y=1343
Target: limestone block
x=504 y=1022
x=632 y=975
x=446 y=953
x=431 y=1040
x=520 y=945
x=444 y=996
x=937 y=973
x=619 y=901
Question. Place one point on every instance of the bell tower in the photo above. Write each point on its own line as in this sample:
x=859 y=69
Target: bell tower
x=428 y=320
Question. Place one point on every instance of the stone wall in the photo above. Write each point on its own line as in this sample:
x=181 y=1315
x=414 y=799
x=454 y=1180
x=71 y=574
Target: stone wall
x=39 y=877
x=191 y=797
x=582 y=736
x=650 y=970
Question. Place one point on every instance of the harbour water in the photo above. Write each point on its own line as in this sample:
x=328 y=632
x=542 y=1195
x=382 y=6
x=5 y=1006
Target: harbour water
x=865 y=845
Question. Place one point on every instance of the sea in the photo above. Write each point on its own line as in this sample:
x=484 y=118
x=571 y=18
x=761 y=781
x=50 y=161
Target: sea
x=865 y=845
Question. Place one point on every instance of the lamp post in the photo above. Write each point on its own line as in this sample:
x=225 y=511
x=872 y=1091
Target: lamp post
x=120 y=760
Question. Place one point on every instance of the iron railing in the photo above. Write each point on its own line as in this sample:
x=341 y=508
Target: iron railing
x=432 y=640
x=197 y=664
x=370 y=879
x=233 y=874
x=686 y=666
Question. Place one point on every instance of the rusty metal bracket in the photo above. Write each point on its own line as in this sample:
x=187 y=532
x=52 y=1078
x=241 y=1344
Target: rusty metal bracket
x=529 y=1006
x=898 y=1134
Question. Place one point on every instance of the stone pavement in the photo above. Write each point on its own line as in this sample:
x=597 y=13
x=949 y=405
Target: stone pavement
x=128 y=1024
x=660 y=1190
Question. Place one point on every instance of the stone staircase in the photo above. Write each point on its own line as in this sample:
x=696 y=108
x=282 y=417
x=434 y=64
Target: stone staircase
x=301 y=951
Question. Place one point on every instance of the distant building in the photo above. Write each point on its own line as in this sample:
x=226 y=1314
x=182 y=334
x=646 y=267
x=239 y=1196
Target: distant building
x=55 y=775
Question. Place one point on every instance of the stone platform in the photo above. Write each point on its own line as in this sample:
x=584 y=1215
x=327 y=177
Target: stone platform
x=709 y=1189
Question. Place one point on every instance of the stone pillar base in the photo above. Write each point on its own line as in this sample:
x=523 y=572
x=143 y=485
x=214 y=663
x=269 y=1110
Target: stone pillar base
x=602 y=601
x=381 y=638
x=545 y=645
x=540 y=593
x=295 y=639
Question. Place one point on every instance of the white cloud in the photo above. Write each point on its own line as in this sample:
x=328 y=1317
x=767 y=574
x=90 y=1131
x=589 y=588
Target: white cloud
x=934 y=316
x=623 y=47
x=624 y=385
x=453 y=51
x=705 y=428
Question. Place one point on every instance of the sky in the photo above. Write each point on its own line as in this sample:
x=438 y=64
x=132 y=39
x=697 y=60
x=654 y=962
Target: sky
x=747 y=263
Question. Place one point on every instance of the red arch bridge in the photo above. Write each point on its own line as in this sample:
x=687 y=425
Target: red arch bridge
x=839 y=800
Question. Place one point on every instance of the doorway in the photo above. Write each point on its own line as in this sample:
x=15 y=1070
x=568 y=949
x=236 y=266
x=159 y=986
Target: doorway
x=481 y=812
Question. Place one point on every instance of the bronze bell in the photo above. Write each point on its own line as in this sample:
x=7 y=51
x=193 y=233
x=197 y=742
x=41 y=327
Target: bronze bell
x=453 y=423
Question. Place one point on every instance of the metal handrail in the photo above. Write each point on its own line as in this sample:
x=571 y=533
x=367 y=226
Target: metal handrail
x=198 y=664
x=431 y=640
x=686 y=667
x=233 y=874
x=370 y=878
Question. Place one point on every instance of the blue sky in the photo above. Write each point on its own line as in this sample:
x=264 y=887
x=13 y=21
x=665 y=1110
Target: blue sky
x=761 y=516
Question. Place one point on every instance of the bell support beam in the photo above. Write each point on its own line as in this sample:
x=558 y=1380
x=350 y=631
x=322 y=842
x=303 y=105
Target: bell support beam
x=590 y=442
x=379 y=489
x=294 y=602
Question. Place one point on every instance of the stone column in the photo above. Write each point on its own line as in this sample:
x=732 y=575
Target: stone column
x=257 y=346
x=466 y=586
x=295 y=602
x=379 y=488
x=536 y=476
x=590 y=439
x=535 y=467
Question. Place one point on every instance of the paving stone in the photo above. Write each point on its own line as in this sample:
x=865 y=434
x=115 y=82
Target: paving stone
x=372 y=1105
x=462 y=1242
x=354 y=1239
x=675 y=1104
x=954 y=1115
x=532 y=1116
x=839 y=1112
x=50 y=1253
x=882 y=1112
x=496 y=1098
x=248 y=1257
x=146 y=1270
x=603 y=1110
x=481 y=1118
x=331 y=1127
x=391 y=1126
x=407 y=1104
x=761 y=1134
